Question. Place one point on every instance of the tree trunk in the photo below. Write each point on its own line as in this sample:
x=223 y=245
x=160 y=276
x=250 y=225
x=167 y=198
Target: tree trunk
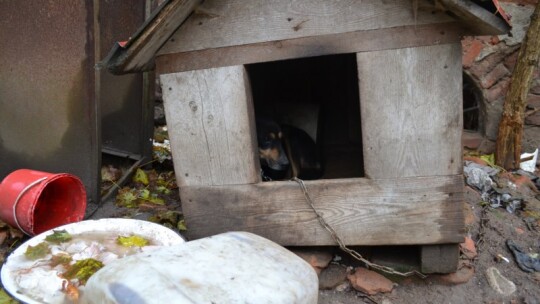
x=508 y=149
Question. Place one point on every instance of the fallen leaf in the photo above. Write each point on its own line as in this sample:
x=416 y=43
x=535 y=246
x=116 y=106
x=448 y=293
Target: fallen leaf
x=182 y=225
x=82 y=270
x=58 y=236
x=127 y=197
x=132 y=241
x=38 y=251
x=141 y=177
x=5 y=298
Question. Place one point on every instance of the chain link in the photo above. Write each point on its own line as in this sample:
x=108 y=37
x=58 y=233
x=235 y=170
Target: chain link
x=342 y=245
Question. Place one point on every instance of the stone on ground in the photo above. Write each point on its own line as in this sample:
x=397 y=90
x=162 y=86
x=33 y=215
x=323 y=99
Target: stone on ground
x=332 y=276
x=370 y=282
x=499 y=283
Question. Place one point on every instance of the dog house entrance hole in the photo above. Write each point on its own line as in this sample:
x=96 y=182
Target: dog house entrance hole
x=320 y=96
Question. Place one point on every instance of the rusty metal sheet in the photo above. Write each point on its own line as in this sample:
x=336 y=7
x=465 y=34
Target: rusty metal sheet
x=48 y=117
x=52 y=98
x=126 y=106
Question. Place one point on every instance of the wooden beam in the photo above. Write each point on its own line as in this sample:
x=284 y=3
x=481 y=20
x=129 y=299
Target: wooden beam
x=138 y=53
x=217 y=23
x=401 y=211
x=211 y=126
x=479 y=20
x=352 y=42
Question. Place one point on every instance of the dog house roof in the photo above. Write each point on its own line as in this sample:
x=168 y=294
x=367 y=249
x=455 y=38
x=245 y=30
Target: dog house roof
x=183 y=19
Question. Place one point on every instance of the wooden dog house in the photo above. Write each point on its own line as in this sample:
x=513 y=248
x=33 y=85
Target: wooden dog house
x=408 y=62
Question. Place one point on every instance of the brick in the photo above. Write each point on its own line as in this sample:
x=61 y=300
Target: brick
x=317 y=259
x=533 y=100
x=510 y=61
x=370 y=282
x=468 y=248
x=471 y=51
x=535 y=88
x=533 y=120
x=483 y=67
x=464 y=273
x=471 y=140
x=499 y=72
x=498 y=90
x=468 y=212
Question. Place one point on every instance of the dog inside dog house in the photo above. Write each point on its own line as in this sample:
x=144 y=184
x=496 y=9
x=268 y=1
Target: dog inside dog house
x=376 y=86
x=316 y=102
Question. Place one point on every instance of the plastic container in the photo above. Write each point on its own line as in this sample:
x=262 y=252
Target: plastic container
x=234 y=267
x=36 y=201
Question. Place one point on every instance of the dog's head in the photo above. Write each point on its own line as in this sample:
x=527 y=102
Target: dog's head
x=271 y=152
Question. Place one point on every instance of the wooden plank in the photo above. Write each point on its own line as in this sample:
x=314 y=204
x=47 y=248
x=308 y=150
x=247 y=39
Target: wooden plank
x=138 y=53
x=218 y=23
x=480 y=20
x=411 y=102
x=351 y=42
x=439 y=258
x=424 y=210
x=211 y=126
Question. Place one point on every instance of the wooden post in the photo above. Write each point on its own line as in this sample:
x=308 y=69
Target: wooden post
x=412 y=122
x=211 y=126
x=508 y=150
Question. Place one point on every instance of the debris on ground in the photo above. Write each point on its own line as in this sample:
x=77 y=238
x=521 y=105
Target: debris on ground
x=497 y=187
x=499 y=283
x=161 y=145
x=110 y=175
x=528 y=262
x=148 y=190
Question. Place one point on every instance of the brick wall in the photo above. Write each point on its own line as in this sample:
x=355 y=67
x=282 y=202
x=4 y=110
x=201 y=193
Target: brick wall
x=490 y=60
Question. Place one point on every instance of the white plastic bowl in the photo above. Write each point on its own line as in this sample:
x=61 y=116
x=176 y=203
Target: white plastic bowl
x=159 y=234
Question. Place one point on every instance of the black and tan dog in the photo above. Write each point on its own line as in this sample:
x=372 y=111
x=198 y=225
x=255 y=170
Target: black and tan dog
x=286 y=152
x=274 y=161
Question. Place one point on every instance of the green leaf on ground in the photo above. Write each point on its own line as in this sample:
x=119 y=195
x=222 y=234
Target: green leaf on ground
x=182 y=225
x=127 y=197
x=141 y=177
x=5 y=298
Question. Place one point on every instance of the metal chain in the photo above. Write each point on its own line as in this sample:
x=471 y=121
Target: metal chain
x=342 y=245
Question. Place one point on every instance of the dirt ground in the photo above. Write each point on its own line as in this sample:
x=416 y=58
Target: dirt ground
x=489 y=228
x=499 y=225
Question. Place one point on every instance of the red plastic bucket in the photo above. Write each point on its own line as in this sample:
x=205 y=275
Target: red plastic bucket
x=36 y=201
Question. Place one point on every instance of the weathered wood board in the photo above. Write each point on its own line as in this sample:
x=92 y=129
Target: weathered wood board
x=412 y=122
x=217 y=23
x=211 y=126
x=350 y=42
x=362 y=211
x=138 y=53
x=411 y=101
